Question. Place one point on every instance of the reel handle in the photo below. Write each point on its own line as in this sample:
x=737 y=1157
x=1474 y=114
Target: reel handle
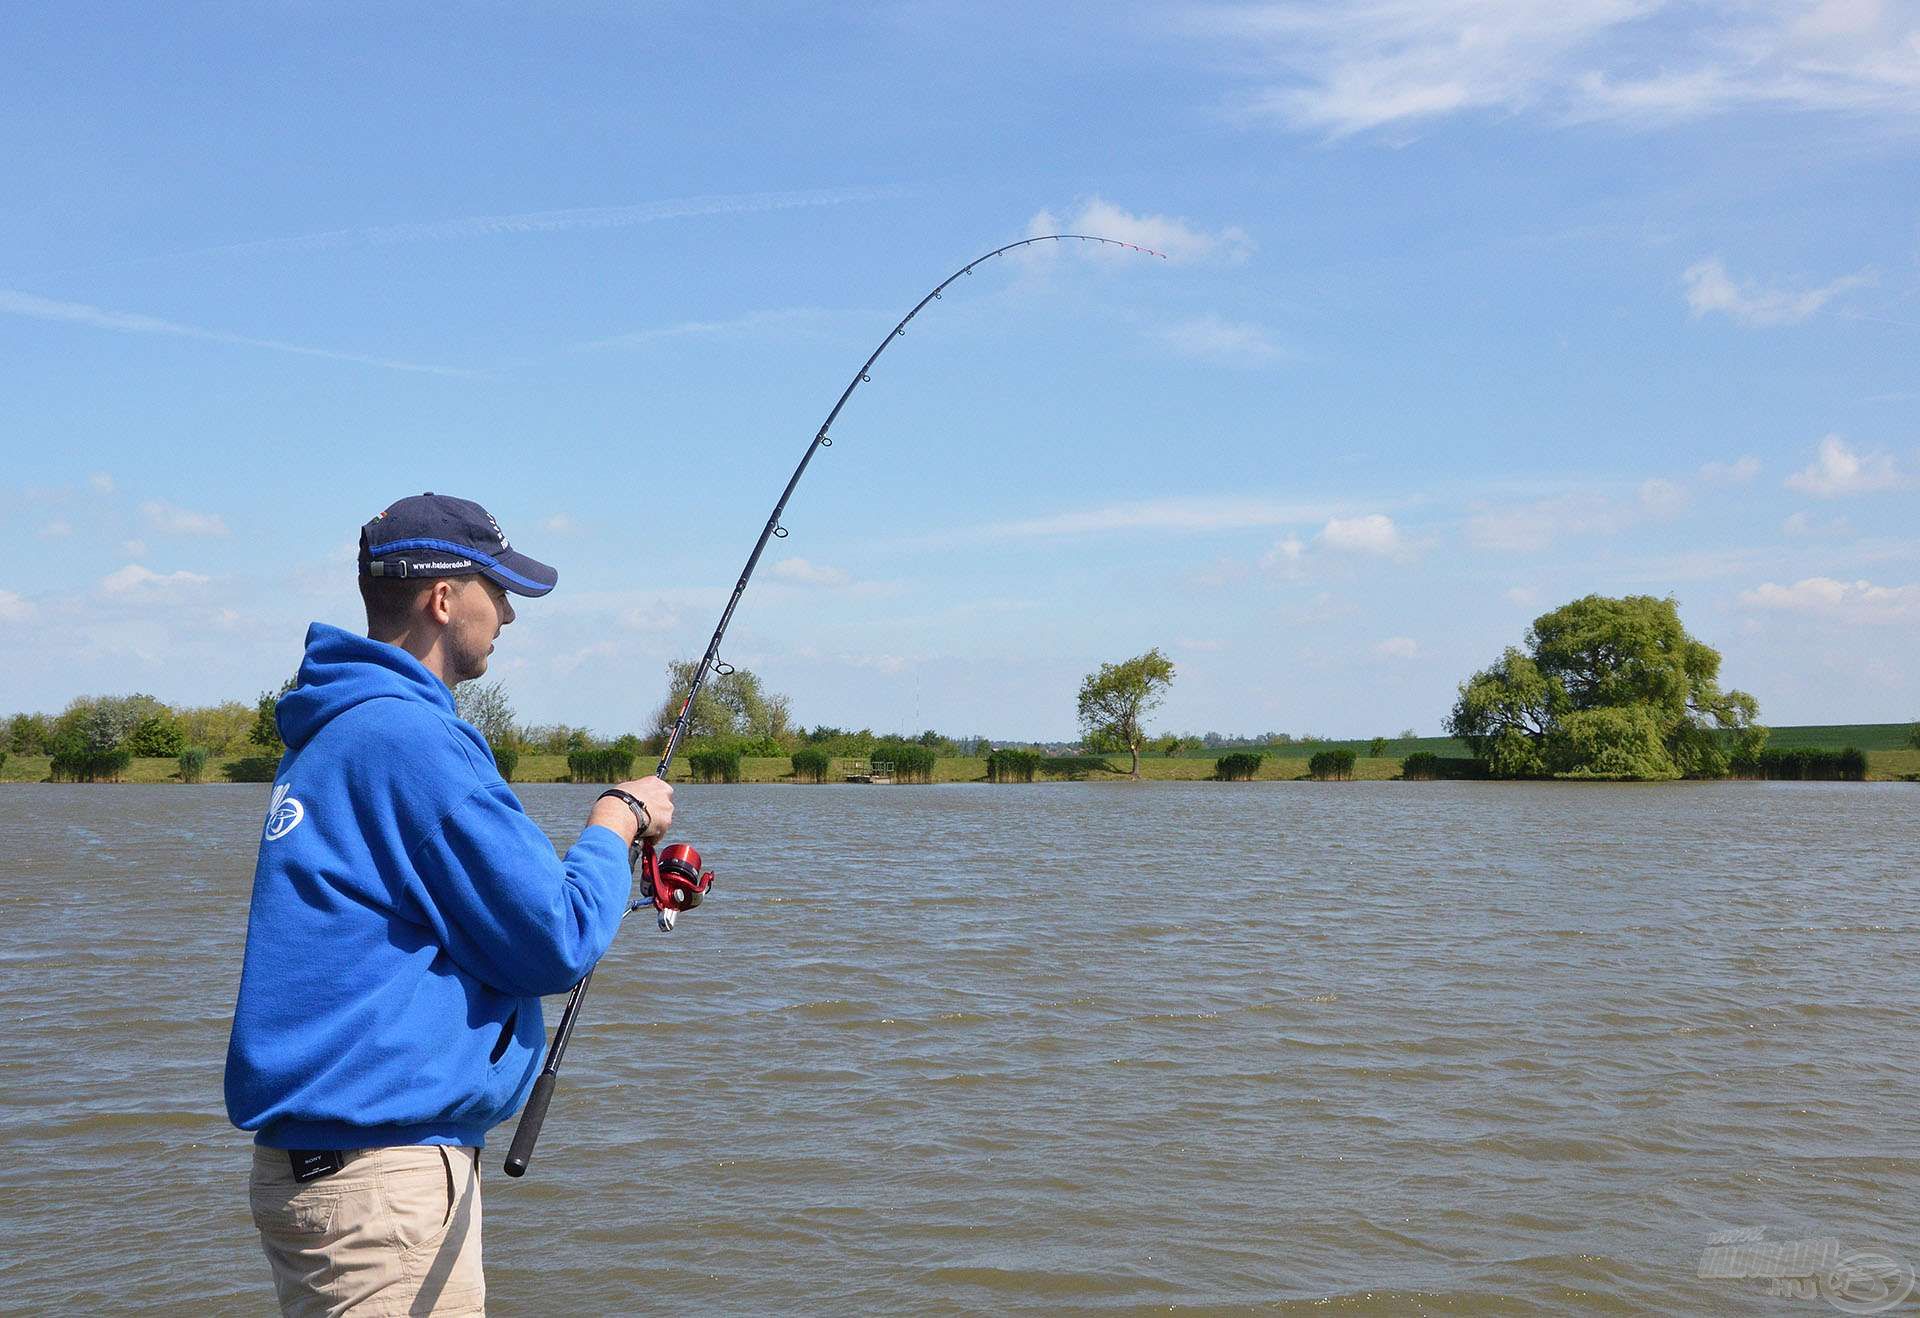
x=673 y=879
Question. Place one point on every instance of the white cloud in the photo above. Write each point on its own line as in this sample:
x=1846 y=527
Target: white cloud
x=1199 y=646
x=1839 y=469
x=1711 y=289
x=1211 y=338
x=1285 y=553
x=1532 y=526
x=1398 y=647
x=1524 y=596
x=1738 y=472
x=1850 y=601
x=751 y=322
x=102 y=482
x=58 y=529
x=1801 y=523
x=13 y=608
x=1172 y=237
x=1343 y=68
x=1373 y=533
x=134 y=548
x=1178 y=513
x=172 y=519
x=561 y=524
x=136 y=580
x=802 y=572
x=1663 y=498
x=35 y=307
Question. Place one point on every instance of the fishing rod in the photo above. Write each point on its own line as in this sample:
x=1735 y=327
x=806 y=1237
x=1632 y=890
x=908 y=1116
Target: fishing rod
x=671 y=879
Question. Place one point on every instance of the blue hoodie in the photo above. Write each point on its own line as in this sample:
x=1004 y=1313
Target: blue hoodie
x=407 y=915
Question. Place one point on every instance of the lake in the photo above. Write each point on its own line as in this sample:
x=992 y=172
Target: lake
x=1403 y=1047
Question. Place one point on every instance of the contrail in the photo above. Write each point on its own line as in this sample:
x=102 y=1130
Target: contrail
x=554 y=221
x=33 y=306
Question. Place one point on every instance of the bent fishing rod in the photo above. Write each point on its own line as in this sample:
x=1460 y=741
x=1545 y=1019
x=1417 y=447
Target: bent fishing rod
x=671 y=879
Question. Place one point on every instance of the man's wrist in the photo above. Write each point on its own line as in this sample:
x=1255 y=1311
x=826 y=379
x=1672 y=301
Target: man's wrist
x=642 y=817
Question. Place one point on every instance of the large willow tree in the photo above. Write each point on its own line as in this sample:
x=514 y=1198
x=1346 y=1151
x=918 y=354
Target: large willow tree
x=1607 y=688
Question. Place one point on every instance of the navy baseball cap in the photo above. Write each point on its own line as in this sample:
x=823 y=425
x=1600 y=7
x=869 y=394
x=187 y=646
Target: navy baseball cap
x=437 y=535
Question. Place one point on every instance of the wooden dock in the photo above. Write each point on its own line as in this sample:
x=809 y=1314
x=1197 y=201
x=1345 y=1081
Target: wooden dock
x=860 y=771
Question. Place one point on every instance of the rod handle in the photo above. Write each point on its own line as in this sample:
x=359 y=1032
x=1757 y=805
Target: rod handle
x=532 y=1117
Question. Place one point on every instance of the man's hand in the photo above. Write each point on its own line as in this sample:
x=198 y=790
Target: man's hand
x=656 y=795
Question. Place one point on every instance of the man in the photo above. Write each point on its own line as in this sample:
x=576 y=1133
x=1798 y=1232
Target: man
x=407 y=916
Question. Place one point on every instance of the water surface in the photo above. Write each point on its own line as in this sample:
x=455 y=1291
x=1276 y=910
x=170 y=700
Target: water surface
x=1408 y=1047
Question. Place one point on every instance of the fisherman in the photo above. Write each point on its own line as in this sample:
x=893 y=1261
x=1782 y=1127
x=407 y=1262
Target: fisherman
x=407 y=916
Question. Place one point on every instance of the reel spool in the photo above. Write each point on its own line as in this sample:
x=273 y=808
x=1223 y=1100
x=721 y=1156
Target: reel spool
x=674 y=880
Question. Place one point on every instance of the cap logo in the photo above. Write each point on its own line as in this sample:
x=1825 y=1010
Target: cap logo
x=497 y=531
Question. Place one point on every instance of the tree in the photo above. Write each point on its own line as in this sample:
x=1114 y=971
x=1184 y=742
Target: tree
x=733 y=704
x=1612 y=688
x=266 y=729
x=1116 y=699
x=156 y=735
x=486 y=707
x=1377 y=747
x=27 y=733
x=216 y=728
x=1913 y=735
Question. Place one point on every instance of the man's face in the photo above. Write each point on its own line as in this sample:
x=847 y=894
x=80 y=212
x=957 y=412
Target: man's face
x=480 y=609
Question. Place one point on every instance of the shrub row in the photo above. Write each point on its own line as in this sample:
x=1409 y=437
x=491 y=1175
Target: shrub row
x=253 y=769
x=611 y=765
x=81 y=765
x=715 y=766
x=1237 y=767
x=1331 y=764
x=1074 y=767
x=810 y=765
x=1425 y=765
x=1804 y=765
x=506 y=759
x=193 y=764
x=911 y=763
x=1012 y=766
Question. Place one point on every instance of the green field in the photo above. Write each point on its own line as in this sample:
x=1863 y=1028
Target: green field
x=1889 y=756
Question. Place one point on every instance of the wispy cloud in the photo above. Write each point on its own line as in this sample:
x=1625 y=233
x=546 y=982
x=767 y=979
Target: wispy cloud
x=802 y=572
x=1526 y=527
x=1738 y=472
x=1398 y=647
x=1178 y=514
x=546 y=221
x=101 y=482
x=1839 y=469
x=13 y=608
x=1850 y=601
x=1660 y=497
x=1344 y=68
x=57 y=529
x=134 y=579
x=1373 y=533
x=752 y=322
x=174 y=520
x=1179 y=239
x=1711 y=289
x=1212 y=338
x=33 y=306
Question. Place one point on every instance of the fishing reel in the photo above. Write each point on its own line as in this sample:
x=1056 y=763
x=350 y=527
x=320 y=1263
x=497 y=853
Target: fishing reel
x=672 y=880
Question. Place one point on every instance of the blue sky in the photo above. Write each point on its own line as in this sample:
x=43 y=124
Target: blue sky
x=1471 y=308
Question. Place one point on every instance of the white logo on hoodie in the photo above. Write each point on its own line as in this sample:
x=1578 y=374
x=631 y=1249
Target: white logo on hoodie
x=284 y=813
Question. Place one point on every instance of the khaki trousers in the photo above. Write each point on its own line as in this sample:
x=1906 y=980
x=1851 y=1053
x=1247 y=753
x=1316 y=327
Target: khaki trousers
x=393 y=1232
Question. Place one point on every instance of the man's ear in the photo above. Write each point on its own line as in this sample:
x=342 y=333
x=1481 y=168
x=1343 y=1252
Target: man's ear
x=439 y=601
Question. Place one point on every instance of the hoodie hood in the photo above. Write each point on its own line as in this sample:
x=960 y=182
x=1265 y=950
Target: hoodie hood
x=341 y=670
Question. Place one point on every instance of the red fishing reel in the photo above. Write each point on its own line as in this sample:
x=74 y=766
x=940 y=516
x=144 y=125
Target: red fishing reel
x=674 y=880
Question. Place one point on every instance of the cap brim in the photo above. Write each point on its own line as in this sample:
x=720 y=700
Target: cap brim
x=516 y=572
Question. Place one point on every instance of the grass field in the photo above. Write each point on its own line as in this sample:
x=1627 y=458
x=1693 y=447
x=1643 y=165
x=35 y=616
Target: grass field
x=1888 y=757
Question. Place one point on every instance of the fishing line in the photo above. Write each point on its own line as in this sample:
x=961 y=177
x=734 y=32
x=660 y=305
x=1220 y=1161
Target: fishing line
x=672 y=880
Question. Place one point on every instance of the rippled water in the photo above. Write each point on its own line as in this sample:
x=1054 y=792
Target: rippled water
x=1398 y=1047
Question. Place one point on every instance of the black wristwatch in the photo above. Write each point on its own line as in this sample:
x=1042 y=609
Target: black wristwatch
x=641 y=815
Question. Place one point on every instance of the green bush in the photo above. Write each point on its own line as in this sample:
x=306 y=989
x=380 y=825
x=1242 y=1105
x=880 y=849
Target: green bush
x=1331 y=764
x=1012 y=766
x=1425 y=765
x=1376 y=748
x=768 y=747
x=1804 y=765
x=253 y=769
x=506 y=759
x=3 y=758
x=608 y=764
x=1237 y=767
x=193 y=764
x=1074 y=767
x=911 y=763
x=715 y=766
x=156 y=737
x=810 y=765
x=75 y=761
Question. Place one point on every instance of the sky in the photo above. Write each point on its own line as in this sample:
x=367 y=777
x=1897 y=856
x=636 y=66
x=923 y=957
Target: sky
x=1468 y=309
